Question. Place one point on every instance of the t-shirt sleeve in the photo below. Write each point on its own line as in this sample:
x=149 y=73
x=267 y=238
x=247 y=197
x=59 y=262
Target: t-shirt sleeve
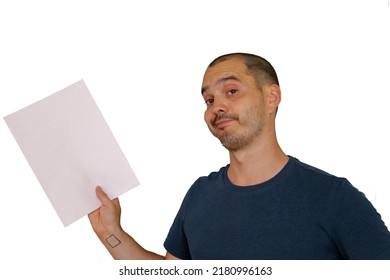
x=359 y=230
x=176 y=241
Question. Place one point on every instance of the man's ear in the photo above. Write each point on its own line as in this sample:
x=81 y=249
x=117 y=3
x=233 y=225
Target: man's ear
x=274 y=96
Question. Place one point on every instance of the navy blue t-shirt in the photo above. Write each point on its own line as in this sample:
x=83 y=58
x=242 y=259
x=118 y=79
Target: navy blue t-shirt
x=301 y=213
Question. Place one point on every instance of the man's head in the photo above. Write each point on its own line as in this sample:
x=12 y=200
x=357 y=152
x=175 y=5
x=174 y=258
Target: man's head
x=260 y=69
x=242 y=94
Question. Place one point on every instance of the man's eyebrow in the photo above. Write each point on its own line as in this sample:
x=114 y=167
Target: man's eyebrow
x=221 y=81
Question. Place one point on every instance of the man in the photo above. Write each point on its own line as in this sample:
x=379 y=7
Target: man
x=264 y=204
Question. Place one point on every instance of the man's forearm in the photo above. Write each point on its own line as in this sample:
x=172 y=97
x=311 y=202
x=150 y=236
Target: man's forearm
x=123 y=247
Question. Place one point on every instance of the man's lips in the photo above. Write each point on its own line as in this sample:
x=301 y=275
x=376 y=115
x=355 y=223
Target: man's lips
x=221 y=123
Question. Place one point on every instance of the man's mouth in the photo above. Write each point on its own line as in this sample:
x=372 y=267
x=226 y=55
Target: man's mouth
x=221 y=121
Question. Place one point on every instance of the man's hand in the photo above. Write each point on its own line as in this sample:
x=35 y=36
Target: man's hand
x=106 y=219
x=105 y=222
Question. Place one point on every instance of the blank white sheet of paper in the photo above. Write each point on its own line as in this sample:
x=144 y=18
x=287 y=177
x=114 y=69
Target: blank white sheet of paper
x=71 y=150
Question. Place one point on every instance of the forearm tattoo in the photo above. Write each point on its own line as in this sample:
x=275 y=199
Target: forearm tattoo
x=113 y=241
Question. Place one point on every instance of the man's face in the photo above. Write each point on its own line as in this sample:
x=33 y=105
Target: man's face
x=235 y=111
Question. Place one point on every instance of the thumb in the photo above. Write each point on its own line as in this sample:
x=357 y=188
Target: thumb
x=102 y=196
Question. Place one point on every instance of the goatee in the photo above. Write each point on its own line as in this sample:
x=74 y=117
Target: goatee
x=234 y=141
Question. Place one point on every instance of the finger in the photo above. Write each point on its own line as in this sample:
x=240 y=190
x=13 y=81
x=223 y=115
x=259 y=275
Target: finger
x=94 y=217
x=92 y=214
x=116 y=201
x=102 y=196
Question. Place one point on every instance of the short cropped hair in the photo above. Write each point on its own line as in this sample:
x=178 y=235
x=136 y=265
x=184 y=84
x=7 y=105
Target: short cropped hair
x=259 y=68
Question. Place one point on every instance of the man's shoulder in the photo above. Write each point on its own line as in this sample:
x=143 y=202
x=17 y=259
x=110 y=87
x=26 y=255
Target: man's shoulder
x=214 y=177
x=301 y=168
x=316 y=178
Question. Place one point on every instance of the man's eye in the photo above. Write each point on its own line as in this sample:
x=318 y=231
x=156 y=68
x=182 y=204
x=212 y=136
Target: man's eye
x=231 y=91
x=209 y=101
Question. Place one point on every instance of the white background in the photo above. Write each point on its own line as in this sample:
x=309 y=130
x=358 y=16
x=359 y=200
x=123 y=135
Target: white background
x=143 y=62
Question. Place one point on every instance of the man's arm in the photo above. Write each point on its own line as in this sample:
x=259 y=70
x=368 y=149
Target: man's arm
x=105 y=222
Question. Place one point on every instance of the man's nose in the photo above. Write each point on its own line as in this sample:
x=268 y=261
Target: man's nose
x=219 y=106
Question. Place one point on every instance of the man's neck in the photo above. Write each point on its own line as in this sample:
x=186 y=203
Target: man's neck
x=256 y=164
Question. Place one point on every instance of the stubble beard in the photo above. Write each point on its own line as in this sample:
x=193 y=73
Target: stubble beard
x=251 y=127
